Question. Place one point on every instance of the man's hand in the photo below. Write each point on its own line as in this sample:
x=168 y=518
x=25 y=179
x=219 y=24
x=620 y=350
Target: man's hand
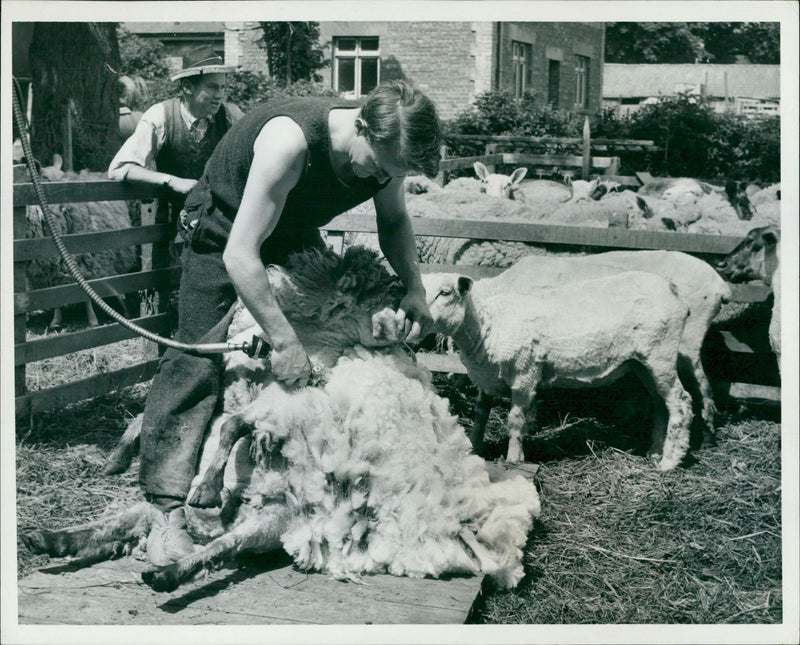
x=290 y=363
x=180 y=185
x=413 y=316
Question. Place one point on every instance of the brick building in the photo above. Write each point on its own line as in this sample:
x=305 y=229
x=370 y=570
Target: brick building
x=453 y=62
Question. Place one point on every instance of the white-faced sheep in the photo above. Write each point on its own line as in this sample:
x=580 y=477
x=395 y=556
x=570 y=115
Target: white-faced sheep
x=580 y=335
x=79 y=218
x=367 y=473
x=499 y=185
x=758 y=257
x=696 y=282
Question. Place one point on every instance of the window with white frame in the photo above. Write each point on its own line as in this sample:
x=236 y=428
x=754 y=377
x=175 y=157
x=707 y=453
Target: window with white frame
x=356 y=65
x=582 y=81
x=520 y=54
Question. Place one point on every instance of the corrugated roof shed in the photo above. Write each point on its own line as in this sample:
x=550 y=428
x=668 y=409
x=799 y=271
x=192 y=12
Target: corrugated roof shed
x=641 y=81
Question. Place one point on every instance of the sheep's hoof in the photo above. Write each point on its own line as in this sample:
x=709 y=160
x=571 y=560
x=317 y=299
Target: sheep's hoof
x=164 y=580
x=119 y=460
x=206 y=495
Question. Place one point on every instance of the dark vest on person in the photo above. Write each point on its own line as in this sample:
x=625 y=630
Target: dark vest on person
x=319 y=195
x=182 y=155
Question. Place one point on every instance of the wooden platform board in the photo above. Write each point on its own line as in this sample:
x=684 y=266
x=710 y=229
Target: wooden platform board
x=259 y=591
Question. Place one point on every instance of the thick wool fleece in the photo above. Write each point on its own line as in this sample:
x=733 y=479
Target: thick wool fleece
x=379 y=478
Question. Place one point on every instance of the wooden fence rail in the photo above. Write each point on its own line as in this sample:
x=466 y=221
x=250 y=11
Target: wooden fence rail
x=164 y=279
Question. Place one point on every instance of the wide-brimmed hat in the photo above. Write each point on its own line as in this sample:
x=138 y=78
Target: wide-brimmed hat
x=201 y=60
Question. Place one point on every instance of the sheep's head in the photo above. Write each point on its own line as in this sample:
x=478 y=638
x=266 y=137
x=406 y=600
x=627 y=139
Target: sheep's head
x=446 y=294
x=604 y=188
x=497 y=185
x=757 y=257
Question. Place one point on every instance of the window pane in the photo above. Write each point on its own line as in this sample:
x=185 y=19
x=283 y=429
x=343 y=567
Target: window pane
x=346 y=76
x=553 y=82
x=346 y=44
x=369 y=74
x=369 y=44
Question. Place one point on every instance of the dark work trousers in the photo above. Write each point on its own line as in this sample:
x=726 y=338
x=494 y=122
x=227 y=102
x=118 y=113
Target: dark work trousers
x=186 y=388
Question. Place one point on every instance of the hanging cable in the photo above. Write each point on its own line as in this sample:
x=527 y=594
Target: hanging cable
x=257 y=347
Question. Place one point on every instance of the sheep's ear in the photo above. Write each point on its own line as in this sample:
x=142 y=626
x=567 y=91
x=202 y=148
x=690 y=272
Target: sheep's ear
x=518 y=175
x=57 y=161
x=464 y=284
x=770 y=237
x=480 y=170
x=646 y=212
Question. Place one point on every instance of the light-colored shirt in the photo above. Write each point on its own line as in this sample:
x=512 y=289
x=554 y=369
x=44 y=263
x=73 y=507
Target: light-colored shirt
x=141 y=148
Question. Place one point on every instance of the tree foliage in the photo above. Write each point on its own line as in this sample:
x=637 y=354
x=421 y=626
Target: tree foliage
x=74 y=64
x=293 y=50
x=688 y=42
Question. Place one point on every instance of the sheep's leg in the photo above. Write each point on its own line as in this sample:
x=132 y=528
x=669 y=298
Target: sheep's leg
x=125 y=450
x=483 y=406
x=521 y=411
x=694 y=379
x=91 y=317
x=673 y=411
x=260 y=533
x=97 y=540
x=207 y=493
x=55 y=323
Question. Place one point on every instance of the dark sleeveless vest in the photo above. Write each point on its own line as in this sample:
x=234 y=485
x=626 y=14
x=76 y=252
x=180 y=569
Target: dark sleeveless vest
x=317 y=198
x=183 y=156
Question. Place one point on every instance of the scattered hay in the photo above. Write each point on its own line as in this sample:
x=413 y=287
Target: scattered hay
x=59 y=459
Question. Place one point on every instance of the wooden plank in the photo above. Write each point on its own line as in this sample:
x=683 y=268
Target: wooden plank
x=551 y=234
x=262 y=590
x=456 y=163
x=20 y=284
x=84 y=191
x=60 y=344
x=76 y=243
x=721 y=364
x=500 y=138
x=442 y=362
x=57 y=397
x=474 y=272
x=749 y=292
x=572 y=161
x=105 y=287
x=644 y=177
x=752 y=393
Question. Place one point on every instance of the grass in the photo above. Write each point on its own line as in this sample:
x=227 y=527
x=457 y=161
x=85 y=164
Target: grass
x=617 y=541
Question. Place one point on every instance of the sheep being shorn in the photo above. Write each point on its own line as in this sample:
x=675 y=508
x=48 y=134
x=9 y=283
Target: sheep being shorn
x=695 y=281
x=367 y=473
x=581 y=335
x=758 y=257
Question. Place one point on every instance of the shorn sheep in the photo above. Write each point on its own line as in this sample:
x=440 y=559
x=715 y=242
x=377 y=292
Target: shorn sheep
x=758 y=257
x=368 y=472
x=580 y=335
x=79 y=218
x=696 y=283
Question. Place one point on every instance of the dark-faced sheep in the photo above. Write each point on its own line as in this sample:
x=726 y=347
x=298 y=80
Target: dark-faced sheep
x=580 y=335
x=758 y=257
x=369 y=472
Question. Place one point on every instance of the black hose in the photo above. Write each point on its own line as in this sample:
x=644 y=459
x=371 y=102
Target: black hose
x=256 y=347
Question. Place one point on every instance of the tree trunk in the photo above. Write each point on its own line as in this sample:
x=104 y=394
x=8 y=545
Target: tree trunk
x=77 y=62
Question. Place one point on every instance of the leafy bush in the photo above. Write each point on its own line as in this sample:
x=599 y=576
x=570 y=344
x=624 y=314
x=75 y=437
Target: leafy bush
x=695 y=140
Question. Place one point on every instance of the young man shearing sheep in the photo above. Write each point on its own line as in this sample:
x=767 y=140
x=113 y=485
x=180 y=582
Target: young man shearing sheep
x=285 y=169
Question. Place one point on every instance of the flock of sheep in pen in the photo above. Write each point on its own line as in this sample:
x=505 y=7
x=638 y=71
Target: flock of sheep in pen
x=366 y=470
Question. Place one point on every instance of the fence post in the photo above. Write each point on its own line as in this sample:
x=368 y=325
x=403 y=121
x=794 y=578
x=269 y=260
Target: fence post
x=587 y=150
x=490 y=149
x=68 y=136
x=20 y=285
x=441 y=177
x=155 y=255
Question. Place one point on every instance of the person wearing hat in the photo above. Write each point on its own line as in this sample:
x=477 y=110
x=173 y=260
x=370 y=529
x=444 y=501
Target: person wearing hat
x=173 y=139
x=284 y=170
